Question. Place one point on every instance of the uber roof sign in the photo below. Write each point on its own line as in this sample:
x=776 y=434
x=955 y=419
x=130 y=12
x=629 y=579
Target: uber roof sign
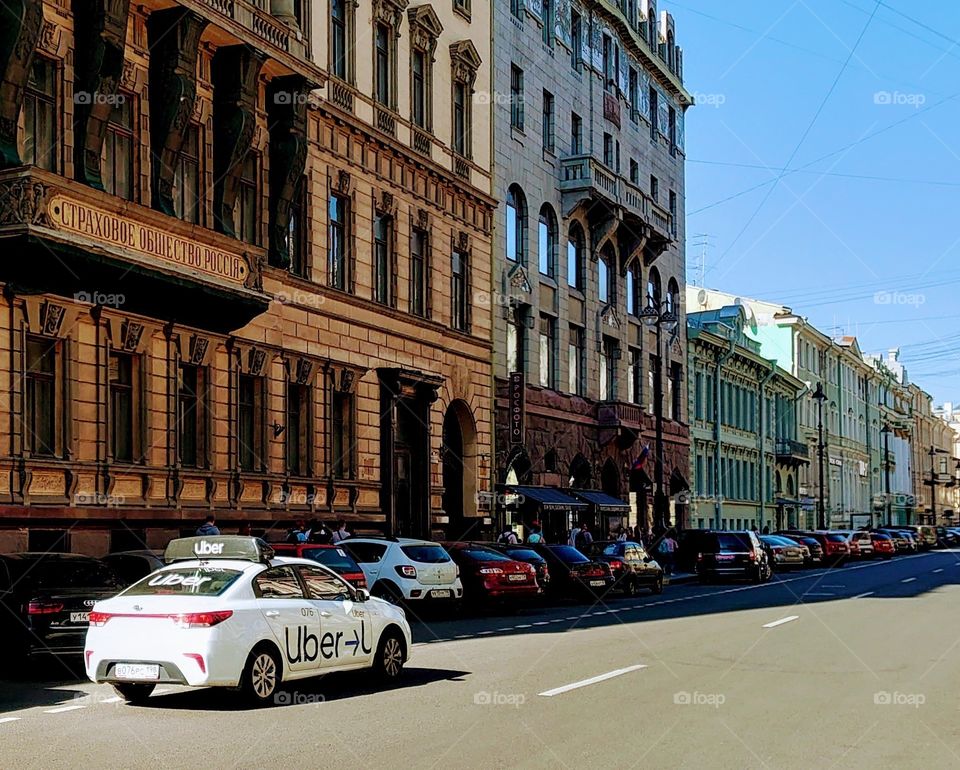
x=218 y=547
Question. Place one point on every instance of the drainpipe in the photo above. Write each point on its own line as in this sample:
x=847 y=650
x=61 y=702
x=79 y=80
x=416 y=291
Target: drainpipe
x=760 y=439
x=717 y=431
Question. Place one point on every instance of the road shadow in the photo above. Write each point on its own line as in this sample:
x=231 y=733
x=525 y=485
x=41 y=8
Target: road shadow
x=48 y=683
x=304 y=692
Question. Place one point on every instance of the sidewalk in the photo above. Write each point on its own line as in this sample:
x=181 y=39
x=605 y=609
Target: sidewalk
x=679 y=578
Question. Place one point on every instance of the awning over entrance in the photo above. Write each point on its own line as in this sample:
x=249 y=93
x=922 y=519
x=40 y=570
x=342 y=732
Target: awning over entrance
x=787 y=501
x=601 y=502
x=545 y=499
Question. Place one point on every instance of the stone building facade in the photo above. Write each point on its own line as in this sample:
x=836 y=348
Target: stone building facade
x=589 y=109
x=244 y=260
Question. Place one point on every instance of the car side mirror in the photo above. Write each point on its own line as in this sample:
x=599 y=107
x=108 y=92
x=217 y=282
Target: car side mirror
x=363 y=595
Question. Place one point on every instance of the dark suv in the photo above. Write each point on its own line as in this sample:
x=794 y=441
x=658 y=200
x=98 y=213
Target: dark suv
x=733 y=555
x=46 y=599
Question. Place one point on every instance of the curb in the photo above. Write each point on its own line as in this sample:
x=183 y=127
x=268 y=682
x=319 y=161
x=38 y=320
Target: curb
x=680 y=579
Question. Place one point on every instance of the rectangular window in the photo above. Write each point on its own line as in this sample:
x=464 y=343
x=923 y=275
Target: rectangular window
x=709 y=397
x=672 y=128
x=338 y=38
x=41 y=396
x=548 y=31
x=383 y=75
x=338 y=240
x=459 y=291
x=576 y=361
x=118 y=150
x=608 y=367
x=548 y=122
x=654 y=110
x=250 y=422
x=576 y=40
x=382 y=258
x=516 y=97
x=654 y=188
x=186 y=178
x=698 y=396
x=676 y=391
x=191 y=415
x=461 y=120
x=418 y=96
x=651 y=375
x=608 y=159
x=548 y=353
x=245 y=215
x=297 y=243
x=673 y=213
x=122 y=396
x=635 y=376
x=608 y=64
x=341 y=444
x=418 y=272
x=40 y=146
x=576 y=134
x=515 y=342
x=516 y=8
x=634 y=172
x=634 y=94
x=299 y=434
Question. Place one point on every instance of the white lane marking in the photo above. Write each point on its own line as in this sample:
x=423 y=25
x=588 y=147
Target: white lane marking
x=591 y=680
x=908 y=580
x=524 y=625
x=835 y=586
x=541 y=623
x=114 y=699
x=780 y=622
x=9 y=719
x=863 y=595
x=484 y=633
x=938 y=570
x=61 y=709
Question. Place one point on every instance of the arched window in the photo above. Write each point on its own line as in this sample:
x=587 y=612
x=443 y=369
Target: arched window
x=778 y=482
x=575 y=247
x=548 y=241
x=606 y=271
x=634 y=294
x=516 y=225
x=653 y=287
x=673 y=297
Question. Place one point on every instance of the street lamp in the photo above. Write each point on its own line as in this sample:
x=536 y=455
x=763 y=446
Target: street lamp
x=659 y=315
x=820 y=397
x=886 y=430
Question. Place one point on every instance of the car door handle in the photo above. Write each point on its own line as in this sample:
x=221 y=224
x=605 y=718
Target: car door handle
x=325 y=614
x=272 y=613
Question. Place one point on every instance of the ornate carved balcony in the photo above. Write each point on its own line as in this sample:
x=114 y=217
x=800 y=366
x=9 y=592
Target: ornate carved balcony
x=792 y=452
x=65 y=238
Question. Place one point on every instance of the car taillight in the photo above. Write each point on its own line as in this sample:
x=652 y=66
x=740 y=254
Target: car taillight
x=777 y=549
x=201 y=619
x=615 y=564
x=699 y=557
x=407 y=571
x=491 y=571
x=40 y=607
x=753 y=555
x=99 y=618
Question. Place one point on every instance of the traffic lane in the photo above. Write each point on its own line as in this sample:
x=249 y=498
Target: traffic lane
x=879 y=577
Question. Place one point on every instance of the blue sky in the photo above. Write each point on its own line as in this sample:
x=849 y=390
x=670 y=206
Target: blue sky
x=862 y=239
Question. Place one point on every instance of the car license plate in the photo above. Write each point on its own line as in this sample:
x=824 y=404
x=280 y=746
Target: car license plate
x=725 y=557
x=79 y=617
x=137 y=671
x=440 y=593
x=518 y=578
x=597 y=583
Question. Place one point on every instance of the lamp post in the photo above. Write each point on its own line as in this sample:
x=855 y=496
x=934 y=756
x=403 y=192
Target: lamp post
x=820 y=397
x=659 y=316
x=886 y=430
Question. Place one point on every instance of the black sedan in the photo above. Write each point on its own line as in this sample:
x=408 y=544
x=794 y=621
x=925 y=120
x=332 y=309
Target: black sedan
x=632 y=567
x=49 y=597
x=574 y=575
x=526 y=553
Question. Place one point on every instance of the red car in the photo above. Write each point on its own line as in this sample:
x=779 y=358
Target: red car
x=883 y=545
x=330 y=556
x=836 y=550
x=489 y=575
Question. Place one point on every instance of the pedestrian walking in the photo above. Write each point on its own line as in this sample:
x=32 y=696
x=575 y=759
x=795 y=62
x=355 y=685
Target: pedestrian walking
x=299 y=533
x=583 y=538
x=320 y=533
x=667 y=550
x=508 y=536
x=209 y=528
x=622 y=535
x=572 y=537
x=536 y=533
x=341 y=533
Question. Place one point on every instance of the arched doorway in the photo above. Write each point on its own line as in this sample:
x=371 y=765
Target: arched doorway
x=580 y=473
x=459 y=453
x=610 y=478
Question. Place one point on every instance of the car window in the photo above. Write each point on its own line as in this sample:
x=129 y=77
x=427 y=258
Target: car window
x=523 y=554
x=836 y=538
x=426 y=554
x=366 y=553
x=336 y=559
x=322 y=585
x=727 y=541
x=61 y=573
x=612 y=549
x=484 y=554
x=569 y=554
x=278 y=583
x=185 y=581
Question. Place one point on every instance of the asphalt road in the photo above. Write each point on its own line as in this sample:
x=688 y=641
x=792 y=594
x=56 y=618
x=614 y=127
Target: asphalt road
x=849 y=667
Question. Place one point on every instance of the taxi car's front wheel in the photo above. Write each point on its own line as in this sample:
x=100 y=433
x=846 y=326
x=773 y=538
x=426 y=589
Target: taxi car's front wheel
x=389 y=661
x=261 y=676
x=134 y=693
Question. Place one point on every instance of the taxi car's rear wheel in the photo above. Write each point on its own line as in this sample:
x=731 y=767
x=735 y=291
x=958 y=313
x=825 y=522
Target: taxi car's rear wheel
x=134 y=693
x=261 y=677
x=389 y=661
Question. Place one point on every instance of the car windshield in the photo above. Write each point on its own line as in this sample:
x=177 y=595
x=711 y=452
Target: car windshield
x=837 y=538
x=336 y=559
x=568 y=554
x=483 y=554
x=426 y=554
x=185 y=581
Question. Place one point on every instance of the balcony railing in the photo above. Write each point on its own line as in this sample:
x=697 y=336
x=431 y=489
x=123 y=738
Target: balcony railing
x=790 y=450
x=584 y=176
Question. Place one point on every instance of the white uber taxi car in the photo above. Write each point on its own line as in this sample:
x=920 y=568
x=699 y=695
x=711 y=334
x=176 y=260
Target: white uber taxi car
x=225 y=611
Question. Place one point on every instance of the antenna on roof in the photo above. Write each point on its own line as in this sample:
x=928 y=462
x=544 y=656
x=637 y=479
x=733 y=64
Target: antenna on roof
x=704 y=242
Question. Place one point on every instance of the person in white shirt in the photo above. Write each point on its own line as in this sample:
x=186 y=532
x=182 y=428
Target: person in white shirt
x=341 y=532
